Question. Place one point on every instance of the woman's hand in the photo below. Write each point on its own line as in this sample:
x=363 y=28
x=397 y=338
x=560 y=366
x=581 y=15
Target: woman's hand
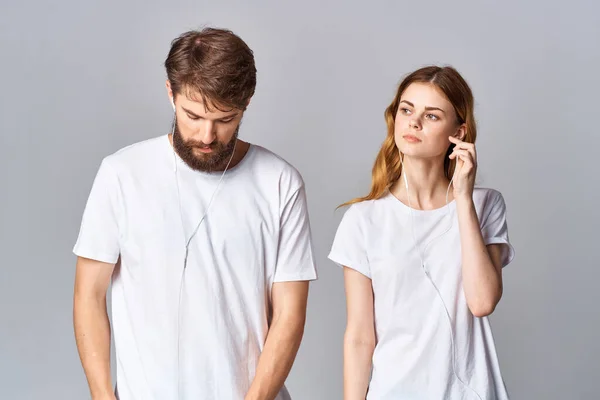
x=466 y=167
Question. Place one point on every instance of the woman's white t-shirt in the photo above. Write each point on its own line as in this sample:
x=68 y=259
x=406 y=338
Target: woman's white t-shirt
x=414 y=354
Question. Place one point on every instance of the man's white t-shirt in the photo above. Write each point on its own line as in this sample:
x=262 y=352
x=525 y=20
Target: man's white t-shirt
x=413 y=356
x=257 y=232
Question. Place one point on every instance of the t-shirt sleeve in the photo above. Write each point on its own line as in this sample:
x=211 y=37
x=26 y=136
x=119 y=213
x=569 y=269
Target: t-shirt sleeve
x=348 y=248
x=98 y=237
x=494 y=227
x=295 y=257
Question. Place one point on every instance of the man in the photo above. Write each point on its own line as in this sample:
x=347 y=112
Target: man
x=207 y=241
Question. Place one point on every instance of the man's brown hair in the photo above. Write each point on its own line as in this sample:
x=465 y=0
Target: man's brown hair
x=214 y=64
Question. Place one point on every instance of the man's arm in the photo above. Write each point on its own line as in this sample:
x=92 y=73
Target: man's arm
x=283 y=339
x=92 y=327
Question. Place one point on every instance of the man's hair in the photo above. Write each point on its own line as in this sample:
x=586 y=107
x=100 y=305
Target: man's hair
x=213 y=64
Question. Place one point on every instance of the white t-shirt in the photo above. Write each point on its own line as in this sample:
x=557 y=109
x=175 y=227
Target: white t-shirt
x=257 y=232
x=413 y=356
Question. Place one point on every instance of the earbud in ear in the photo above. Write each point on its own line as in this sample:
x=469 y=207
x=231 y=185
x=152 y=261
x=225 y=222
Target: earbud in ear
x=173 y=103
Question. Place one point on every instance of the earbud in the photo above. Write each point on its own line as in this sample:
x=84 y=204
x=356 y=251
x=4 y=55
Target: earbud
x=173 y=103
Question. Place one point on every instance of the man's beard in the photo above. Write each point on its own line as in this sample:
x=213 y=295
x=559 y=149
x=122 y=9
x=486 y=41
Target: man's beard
x=207 y=162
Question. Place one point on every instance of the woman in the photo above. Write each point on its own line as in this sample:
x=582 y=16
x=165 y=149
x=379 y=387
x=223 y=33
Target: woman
x=423 y=254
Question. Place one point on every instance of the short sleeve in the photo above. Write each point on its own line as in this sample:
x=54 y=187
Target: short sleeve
x=494 y=227
x=295 y=258
x=98 y=237
x=348 y=248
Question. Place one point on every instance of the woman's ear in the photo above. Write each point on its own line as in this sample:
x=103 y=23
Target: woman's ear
x=461 y=132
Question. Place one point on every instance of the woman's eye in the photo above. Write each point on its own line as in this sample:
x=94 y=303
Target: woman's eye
x=405 y=110
x=432 y=117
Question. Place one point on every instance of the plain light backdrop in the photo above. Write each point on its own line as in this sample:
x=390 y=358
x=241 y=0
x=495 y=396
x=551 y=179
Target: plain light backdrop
x=80 y=80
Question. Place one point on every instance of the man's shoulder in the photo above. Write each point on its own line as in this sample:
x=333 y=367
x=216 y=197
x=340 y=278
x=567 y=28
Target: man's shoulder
x=139 y=153
x=266 y=155
x=269 y=160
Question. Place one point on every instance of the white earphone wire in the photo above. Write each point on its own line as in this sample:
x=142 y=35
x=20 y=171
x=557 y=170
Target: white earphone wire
x=187 y=244
x=421 y=257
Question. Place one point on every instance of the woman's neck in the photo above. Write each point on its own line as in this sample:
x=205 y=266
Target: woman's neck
x=427 y=183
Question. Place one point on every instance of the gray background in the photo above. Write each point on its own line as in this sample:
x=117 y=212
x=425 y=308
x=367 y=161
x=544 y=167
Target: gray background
x=80 y=81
